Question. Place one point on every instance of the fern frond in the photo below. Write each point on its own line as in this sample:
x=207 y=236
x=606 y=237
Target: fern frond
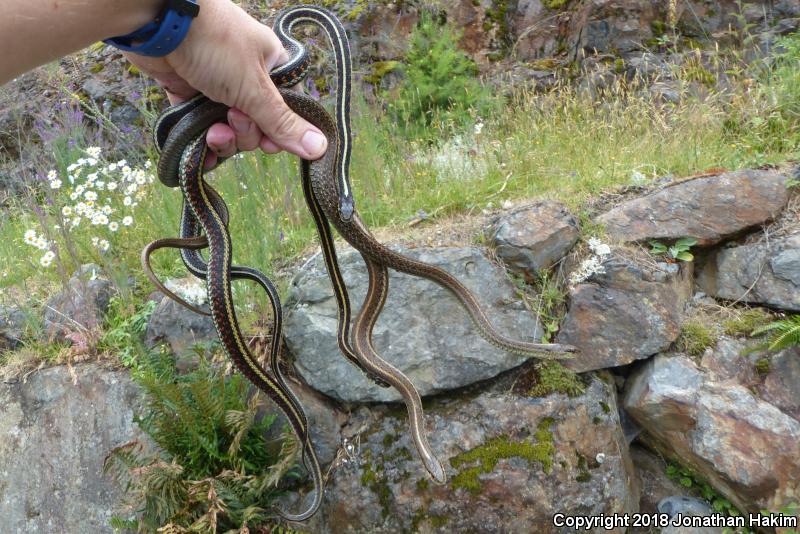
x=781 y=334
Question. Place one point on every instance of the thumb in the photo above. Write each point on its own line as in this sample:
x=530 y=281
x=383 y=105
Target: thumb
x=280 y=124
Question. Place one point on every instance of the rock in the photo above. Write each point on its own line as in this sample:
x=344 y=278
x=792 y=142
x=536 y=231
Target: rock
x=82 y=305
x=632 y=311
x=54 y=436
x=742 y=445
x=709 y=209
x=534 y=237
x=653 y=480
x=12 y=327
x=538 y=460
x=686 y=507
x=325 y=421
x=761 y=273
x=423 y=331
x=177 y=326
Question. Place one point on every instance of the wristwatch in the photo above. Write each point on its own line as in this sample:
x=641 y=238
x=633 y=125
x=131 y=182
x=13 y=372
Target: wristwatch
x=163 y=35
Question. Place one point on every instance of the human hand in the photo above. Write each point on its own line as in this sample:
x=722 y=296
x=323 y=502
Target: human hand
x=227 y=56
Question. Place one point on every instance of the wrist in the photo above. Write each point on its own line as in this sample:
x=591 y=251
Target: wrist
x=129 y=15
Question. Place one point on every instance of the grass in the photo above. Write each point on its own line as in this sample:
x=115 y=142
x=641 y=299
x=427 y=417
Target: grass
x=564 y=145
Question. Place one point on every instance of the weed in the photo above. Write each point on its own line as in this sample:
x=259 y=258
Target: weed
x=780 y=335
x=696 y=336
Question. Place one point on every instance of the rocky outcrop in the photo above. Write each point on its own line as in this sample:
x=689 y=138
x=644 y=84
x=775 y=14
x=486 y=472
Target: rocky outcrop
x=765 y=272
x=55 y=431
x=79 y=307
x=176 y=326
x=437 y=355
x=512 y=462
x=747 y=448
x=534 y=237
x=708 y=209
x=632 y=310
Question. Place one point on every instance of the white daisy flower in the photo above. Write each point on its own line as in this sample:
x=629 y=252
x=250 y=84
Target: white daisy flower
x=127 y=201
x=104 y=244
x=127 y=220
x=41 y=243
x=94 y=151
x=91 y=177
x=122 y=163
x=113 y=226
x=107 y=209
x=52 y=175
x=29 y=235
x=55 y=184
x=66 y=211
x=91 y=162
x=141 y=179
x=111 y=186
x=99 y=219
x=47 y=259
x=95 y=241
x=73 y=196
x=80 y=189
x=90 y=195
x=148 y=164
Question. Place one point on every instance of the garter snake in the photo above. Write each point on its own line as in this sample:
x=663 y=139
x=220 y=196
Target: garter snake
x=329 y=197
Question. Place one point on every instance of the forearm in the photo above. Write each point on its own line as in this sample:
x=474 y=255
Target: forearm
x=33 y=32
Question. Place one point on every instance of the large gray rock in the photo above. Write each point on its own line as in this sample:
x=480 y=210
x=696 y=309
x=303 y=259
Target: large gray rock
x=80 y=306
x=54 y=435
x=709 y=209
x=423 y=331
x=539 y=456
x=534 y=237
x=12 y=327
x=631 y=311
x=178 y=327
x=745 y=447
x=760 y=273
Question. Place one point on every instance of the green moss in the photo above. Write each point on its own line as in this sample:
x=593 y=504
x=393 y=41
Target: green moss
x=438 y=521
x=379 y=69
x=762 y=367
x=133 y=70
x=696 y=337
x=97 y=67
x=596 y=420
x=605 y=407
x=422 y=484
x=554 y=4
x=619 y=65
x=389 y=439
x=497 y=17
x=658 y=27
x=555 y=378
x=548 y=63
x=502 y=447
x=747 y=321
x=368 y=476
x=584 y=476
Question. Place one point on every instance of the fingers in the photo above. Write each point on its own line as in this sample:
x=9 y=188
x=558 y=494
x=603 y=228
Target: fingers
x=248 y=135
x=282 y=126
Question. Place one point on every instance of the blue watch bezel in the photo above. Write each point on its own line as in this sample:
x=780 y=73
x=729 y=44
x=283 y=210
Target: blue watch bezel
x=163 y=35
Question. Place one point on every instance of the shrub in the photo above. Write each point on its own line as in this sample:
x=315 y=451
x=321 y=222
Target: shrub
x=215 y=468
x=439 y=78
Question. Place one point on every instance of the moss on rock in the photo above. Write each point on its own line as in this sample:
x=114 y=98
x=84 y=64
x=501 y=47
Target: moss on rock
x=555 y=378
x=502 y=447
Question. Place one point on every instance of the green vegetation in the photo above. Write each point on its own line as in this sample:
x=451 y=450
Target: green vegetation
x=555 y=378
x=779 y=334
x=689 y=479
x=215 y=468
x=487 y=455
x=743 y=324
x=679 y=251
x=696 y=336
x=440 y=82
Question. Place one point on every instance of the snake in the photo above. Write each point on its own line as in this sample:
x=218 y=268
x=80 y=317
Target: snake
x=328 y=194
